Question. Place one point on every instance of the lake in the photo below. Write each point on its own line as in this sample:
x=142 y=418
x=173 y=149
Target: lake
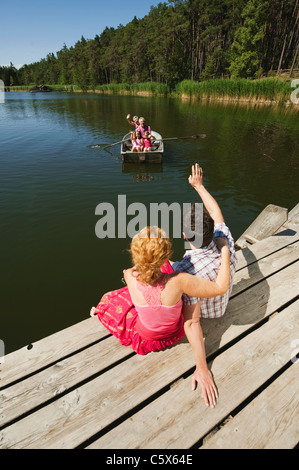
x=53 y=266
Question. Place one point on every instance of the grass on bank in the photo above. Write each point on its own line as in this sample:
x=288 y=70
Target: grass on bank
x=271 y=89
x=33 y=86
x=264 y=89
x=154 y=88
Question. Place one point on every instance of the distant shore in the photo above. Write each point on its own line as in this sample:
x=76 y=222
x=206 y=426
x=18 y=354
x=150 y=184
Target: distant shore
x=262 y=91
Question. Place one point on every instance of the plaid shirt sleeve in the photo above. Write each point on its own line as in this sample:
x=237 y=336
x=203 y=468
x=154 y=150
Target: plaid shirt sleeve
x=222 y=230
x=186 y=266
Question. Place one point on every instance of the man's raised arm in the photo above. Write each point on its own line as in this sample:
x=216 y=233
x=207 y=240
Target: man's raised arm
x=196 y=181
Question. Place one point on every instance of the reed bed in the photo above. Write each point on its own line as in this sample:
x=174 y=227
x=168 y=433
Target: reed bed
x=152 y=88
x=18 y=88
x=264 y=89
x=113 y=88
x=30 y=87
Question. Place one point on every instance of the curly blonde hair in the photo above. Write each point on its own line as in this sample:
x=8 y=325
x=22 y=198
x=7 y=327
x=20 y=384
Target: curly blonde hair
x=149 y=249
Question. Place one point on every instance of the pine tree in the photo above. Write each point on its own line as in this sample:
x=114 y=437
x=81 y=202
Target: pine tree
x=245 y=51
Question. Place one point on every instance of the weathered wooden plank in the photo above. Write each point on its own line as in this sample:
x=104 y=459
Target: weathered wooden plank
x=257 y=271
x=48 y=350
x=75 y=417
x=266 y=224
x=251 y=307
x=293 y=216
x=20 y=398
x=249 y=238
x=270 y=421
x=71 y=419
x=179 y=418
x=265 y=248
x=293 y=219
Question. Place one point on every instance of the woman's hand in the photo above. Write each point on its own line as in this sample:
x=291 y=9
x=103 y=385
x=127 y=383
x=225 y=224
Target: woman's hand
x=128 y=116
x=204 y=378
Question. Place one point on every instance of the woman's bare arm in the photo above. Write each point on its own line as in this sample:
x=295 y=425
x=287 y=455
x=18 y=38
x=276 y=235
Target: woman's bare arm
x=196 y=286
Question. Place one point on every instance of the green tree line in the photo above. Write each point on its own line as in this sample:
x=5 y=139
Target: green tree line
x=177 y=40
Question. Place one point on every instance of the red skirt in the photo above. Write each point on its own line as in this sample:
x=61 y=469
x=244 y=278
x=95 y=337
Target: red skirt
x=118 y=314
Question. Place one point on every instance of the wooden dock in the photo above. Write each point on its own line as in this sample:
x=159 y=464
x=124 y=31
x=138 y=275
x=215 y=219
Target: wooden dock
x=79 y=388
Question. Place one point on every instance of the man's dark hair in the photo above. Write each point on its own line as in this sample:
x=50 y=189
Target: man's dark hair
x=208 y=228
x=207 y=225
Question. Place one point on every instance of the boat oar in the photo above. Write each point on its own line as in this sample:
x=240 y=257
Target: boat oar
x=106 y=146
x=197 y=136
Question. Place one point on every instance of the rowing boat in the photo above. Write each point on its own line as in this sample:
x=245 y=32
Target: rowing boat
x=155 y=155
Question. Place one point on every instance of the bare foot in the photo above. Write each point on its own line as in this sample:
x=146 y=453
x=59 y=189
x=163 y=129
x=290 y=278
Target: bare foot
x=92 y=311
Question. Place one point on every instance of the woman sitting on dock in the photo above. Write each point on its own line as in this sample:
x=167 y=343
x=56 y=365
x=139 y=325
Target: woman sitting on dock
x=147 y=314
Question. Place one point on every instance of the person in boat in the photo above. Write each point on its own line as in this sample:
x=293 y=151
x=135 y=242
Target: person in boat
x=135 y=121
x=137 y=141
x=146 y=314
x=204 y=261
x=143 y=127
x=147 y=140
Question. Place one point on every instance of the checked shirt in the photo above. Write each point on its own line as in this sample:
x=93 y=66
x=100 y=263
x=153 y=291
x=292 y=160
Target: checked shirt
x=205 y=262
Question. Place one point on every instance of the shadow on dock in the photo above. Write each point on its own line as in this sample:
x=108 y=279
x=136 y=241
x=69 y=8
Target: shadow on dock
x=236 y=315
x=214 y=329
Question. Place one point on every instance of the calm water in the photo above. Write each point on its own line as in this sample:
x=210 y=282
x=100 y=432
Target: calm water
x=53 y=267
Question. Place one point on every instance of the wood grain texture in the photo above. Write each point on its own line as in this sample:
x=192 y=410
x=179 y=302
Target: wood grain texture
x=266 y=224
x=179 y=418
x=270 y=421
x=48 y=350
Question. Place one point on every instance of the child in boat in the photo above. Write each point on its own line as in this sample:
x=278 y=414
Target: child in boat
x=137 y=141
x=147 y=140
x=143 y=127
x=135 y=121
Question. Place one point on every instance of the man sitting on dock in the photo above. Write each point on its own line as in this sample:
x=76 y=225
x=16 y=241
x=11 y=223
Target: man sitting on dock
x=205 y=261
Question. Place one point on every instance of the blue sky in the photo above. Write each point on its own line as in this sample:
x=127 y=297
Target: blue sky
x=31 y=29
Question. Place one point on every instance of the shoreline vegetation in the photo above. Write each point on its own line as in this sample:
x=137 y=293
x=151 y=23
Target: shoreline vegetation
x=265 y=90
x=241 y=51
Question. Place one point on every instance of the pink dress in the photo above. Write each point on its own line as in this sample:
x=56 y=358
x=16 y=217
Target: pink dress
x=147 y=143
x=145 y=328
x=137 y=143
x=144 y=129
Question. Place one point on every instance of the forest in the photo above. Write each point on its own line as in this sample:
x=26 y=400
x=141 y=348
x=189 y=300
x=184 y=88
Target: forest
x=177 y=40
